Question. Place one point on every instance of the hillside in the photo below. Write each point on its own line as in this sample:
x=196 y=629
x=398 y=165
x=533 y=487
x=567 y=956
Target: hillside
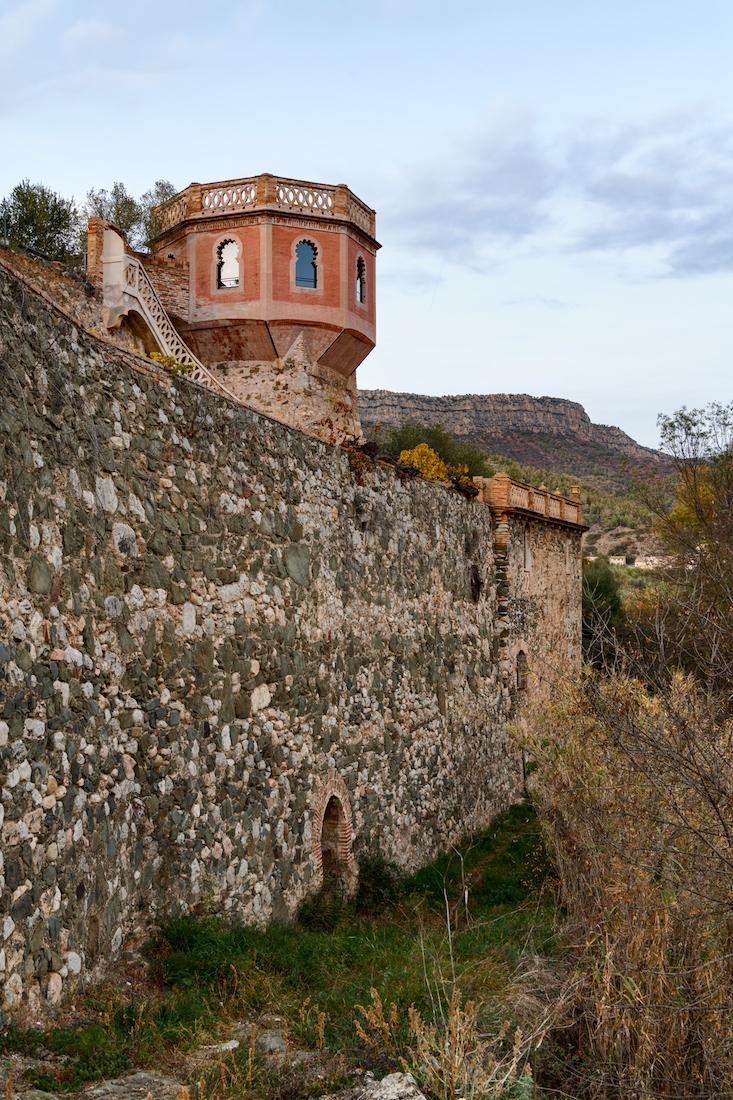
x=546 y=432
x=543 y=441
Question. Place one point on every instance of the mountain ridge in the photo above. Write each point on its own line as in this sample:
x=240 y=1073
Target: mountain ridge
x=554 y=433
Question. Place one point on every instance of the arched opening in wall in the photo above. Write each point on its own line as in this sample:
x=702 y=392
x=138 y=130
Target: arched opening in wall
x=306 y=265
x=227 y=266
x=333 y=855
x=333 y=840
x=522 y=671
x=360 y=281
x=143 y=337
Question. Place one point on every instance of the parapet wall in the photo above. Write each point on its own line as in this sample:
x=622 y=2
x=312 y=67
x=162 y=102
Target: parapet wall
x=210 y=626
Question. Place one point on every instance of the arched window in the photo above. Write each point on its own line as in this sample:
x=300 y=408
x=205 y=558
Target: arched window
x=331 y=838
x=306 y=268
x=227 y=266
x=522 y=671
x=360 y=281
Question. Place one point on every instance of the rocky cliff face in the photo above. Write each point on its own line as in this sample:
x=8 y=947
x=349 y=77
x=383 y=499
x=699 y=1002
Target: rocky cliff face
x=549 y=432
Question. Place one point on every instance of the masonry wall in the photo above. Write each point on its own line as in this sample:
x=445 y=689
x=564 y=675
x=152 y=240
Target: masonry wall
x=208 y=623
x=171 y=280
x=295 y=390
x=541 y=568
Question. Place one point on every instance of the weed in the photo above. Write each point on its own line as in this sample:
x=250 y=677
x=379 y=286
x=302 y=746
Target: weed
x=379 y=886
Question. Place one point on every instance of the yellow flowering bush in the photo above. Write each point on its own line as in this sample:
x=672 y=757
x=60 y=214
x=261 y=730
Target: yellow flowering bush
x=432 y=467
x=424 y=459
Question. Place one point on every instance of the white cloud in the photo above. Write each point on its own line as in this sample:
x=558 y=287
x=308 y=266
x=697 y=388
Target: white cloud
x=664 y=186
x=90 y=33
x=19 y=24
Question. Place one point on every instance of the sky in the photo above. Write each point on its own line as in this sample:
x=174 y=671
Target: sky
x=553 y=179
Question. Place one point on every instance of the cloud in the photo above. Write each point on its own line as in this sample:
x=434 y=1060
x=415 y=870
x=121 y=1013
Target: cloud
x=535 y=300
x=18 y=25
x=89 y=34
x=664 y=184
x=491 y=191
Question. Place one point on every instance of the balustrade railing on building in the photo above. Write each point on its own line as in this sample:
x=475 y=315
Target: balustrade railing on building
x=505 y=494
x=229 y=197
x=264 y=192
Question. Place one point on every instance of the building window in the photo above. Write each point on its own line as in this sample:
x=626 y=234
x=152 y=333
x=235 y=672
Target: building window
x=306 y=268
x=227 y=265
x=360 y=281
x=521 y=671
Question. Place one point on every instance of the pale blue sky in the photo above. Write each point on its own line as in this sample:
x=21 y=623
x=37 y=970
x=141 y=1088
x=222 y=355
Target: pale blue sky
x=553 y=179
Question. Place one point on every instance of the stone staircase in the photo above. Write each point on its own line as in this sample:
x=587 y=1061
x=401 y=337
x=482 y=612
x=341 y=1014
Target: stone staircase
x=127 y=289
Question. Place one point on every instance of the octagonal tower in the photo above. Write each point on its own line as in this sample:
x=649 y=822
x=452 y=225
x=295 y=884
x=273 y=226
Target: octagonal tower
x=271 y=282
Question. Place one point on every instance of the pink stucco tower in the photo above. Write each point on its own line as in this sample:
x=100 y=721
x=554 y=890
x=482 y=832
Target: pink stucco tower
x=271 y=283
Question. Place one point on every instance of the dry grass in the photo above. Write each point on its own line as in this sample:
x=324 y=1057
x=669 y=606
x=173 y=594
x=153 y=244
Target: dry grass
x=635 y=791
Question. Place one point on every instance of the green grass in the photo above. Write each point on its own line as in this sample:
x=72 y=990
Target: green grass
x=496 y=888
x=130 y=1035
x=510 y=856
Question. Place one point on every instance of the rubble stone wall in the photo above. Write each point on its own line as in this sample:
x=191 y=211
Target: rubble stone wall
x=541 y=567
x=298 y=392
x=210 y=626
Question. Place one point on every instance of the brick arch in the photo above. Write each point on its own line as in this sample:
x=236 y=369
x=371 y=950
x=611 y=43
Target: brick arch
x=332 y=790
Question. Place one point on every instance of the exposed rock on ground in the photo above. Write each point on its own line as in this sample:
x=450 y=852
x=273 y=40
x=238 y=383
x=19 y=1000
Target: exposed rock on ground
x=396 y=1086
x=136 y=1086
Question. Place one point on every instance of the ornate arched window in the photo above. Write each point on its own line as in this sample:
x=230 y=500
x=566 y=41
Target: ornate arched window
x=306 y=266
x=360 y=281
x=227 y=264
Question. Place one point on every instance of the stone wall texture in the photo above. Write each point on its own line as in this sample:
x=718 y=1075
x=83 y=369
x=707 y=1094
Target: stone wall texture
x=298 y=392
x=540 y=566
x=210 y=625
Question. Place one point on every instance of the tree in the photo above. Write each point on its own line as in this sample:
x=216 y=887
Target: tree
x=690 y=625
x=133 y=216
x=161 y=191
x=601 y=596
x=453 y=453
x=33 y=216
x=634 y=782
x=119 y=207
x=602 y=611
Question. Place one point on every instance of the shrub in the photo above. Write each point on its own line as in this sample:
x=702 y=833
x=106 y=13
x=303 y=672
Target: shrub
x=450 y=450
x=636 y=793
x=379 y=885
x=429 y=464
x=171 y=364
